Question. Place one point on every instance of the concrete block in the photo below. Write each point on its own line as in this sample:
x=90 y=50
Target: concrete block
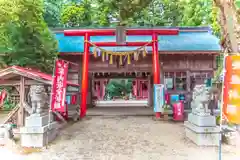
x=202 y=121
x=202 y=136
x=35 y=130
x=37 y=121
x=38 y=136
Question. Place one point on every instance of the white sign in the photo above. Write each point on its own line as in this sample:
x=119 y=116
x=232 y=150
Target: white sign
x=159 y=97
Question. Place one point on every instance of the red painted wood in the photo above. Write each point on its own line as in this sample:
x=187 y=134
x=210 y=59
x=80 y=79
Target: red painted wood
x=108 y=32
x=113 y=44
x=188 y=53
x=156 y=65
x=155 y=60
x=111 y=32
x=83 y=105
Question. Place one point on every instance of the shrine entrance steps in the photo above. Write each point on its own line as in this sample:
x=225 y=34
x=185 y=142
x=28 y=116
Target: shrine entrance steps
x=127 y=111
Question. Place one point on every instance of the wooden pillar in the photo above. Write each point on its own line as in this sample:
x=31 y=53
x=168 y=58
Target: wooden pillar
x=188 y=95
x=101 y=88
x=85 y=79
x=156 y=66
x=90 y=93
x=22 y=101
x=150 y=91
x=79 y=82
x=93 y=87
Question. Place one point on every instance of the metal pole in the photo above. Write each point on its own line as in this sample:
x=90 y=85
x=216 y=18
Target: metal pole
x=50 y=107
x=221 y=110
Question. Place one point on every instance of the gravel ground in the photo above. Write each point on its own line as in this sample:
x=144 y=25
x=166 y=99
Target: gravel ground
x=126 y=138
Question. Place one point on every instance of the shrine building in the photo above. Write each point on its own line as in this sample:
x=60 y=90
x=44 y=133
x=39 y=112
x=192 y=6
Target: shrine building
x=184 y=57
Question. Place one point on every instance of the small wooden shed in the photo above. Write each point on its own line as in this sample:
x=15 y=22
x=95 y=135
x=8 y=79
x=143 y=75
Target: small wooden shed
x=21 y=78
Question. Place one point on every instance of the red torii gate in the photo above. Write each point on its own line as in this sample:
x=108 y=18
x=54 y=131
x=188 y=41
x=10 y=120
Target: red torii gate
x=112 y=32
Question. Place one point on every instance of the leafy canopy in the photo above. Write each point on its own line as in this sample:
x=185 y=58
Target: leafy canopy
x=27 y=39
x=147 y=13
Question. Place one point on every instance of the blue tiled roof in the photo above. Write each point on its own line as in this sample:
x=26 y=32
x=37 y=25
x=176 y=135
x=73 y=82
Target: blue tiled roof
x=191 y=40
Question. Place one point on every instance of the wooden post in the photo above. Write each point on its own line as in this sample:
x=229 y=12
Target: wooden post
x=22 y=101
x=85 y=79
x=150 y=91
x=156 y=65
x=101 y=88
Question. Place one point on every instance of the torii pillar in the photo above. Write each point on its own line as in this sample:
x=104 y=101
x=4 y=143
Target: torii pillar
x=111 y=32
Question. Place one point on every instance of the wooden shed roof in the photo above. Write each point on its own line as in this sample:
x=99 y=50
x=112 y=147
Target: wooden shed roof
x=14 y=71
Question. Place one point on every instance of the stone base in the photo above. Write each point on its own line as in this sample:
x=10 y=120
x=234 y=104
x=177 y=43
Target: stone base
x=202 y=136
x=202 y=121
x=38 y=136
x=6 y=134
x=36 y=120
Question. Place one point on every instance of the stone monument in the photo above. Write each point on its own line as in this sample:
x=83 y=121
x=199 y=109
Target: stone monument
x=201 y=126
x=6 y=133
x=40 y=128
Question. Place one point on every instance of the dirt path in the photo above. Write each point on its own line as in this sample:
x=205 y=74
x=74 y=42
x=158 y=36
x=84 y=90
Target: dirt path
x=127 y=138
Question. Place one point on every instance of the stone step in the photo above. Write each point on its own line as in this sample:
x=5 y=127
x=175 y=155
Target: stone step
x=200 y=130
x=38 y=120
x=38 y=136
x=202 y=136
x=37 y=130
x=202 y=121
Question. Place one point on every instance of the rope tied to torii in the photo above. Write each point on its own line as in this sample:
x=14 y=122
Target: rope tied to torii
x=109 y=55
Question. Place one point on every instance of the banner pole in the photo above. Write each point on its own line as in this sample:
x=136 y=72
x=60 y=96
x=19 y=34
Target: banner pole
x=221 y=109
x=50 y=105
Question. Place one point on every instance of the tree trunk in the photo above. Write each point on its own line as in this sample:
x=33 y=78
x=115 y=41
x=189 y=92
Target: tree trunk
x=229 y=21
x=229 y=25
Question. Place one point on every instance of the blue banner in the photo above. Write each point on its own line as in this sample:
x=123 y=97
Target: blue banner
x=159 y=98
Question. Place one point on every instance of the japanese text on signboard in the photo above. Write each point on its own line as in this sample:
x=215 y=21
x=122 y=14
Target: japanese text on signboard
x=59 y=86
x=231 y=90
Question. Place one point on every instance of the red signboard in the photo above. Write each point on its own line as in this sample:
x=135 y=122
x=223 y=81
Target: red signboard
x=59 y=86
x=231 y=91
x=178 y=111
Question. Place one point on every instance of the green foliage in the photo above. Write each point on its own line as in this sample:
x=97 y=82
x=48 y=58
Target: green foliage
x=119 y=87
x=214 y=20
x=196 y=12
x=238 y=3
x=101 y=13
x=7 y=105
x=52 y=12
x=75 y=14
x=123 y=10
x=28 y=39
x=159 y=13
